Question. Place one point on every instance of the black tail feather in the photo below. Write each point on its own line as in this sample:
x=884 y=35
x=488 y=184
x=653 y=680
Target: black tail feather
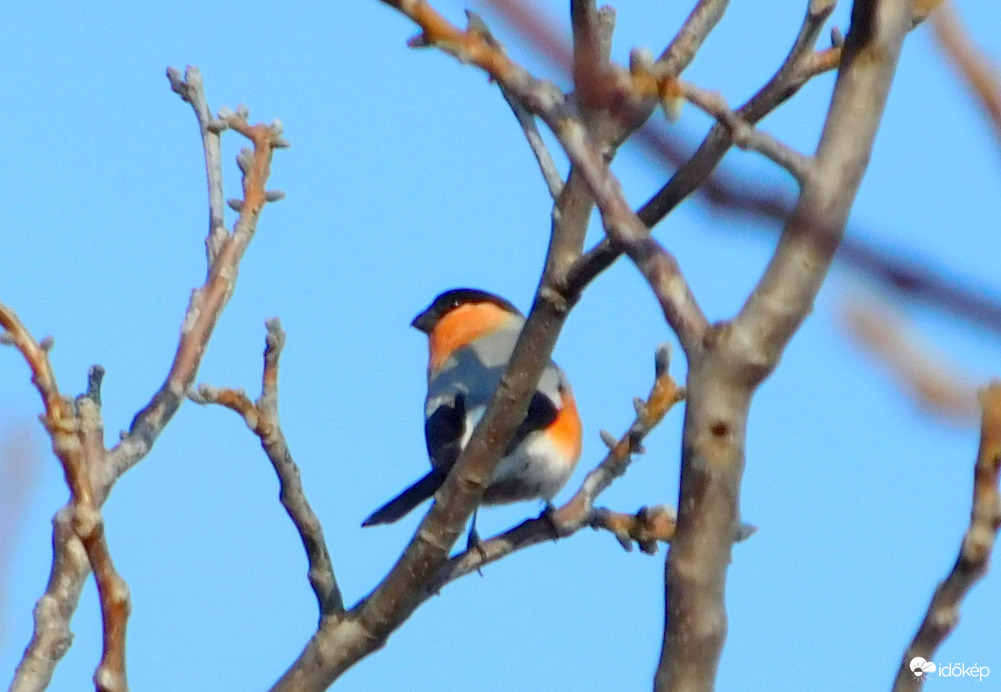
x=400 y=506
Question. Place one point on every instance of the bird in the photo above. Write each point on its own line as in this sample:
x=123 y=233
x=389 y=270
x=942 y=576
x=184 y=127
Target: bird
x=471 y=336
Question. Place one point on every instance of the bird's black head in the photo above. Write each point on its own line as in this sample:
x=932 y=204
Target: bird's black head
x=450 y=300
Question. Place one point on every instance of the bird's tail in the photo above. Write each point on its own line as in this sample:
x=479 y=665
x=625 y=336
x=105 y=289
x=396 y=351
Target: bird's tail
x=401 y=505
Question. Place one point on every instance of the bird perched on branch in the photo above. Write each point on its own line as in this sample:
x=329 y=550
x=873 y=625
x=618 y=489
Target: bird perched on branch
x=471 y=336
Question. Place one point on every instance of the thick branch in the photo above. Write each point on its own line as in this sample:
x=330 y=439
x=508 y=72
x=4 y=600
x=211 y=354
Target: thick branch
x=975 y=551
x=262 y=419
x=739 y=356
x=785 y=293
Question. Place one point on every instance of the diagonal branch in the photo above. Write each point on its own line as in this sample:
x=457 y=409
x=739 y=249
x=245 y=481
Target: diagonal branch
x=262 y=418
x=697 y=169
x=579 y=511
x=980 y=75
x=975 y=551
x=925 y=377
x=208 y=301
x=550 y=173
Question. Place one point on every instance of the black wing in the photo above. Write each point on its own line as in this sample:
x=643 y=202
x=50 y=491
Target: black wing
x=541 y=414
x=443 y=433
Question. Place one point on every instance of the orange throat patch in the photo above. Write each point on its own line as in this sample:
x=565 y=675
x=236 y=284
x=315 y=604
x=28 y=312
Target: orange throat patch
x=460 y=327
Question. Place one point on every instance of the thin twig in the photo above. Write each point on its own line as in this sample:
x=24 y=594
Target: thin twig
x=975 y=551
x=745 y=135
x=191 y=89
x=550 y=173
x=208 y=301
x=700 y=22
x=262 y=418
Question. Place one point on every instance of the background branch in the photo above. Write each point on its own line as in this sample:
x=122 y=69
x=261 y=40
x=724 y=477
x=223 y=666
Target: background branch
x=979 y=74
x=922 y=375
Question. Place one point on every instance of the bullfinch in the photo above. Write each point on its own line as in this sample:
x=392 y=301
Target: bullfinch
x=471 y=336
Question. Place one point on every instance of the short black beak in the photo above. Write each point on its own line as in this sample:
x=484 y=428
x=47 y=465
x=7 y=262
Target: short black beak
x=424 y=322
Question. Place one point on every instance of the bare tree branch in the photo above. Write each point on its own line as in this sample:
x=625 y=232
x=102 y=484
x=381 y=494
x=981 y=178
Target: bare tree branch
x=73 y=430
x=746 y=136
x=975 y=552
x=700 y=22
x=925 y=377
x=192 y=89
x=262 y=419
x=739 y=355
x=697 y=169
x=546 y=164
x=976 y=68
x=208 y=301
x=51 y=636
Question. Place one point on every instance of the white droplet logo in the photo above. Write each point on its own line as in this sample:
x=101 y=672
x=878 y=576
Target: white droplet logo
x=921 y=667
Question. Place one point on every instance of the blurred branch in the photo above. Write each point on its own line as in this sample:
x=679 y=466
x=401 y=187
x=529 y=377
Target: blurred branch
x=73 y=430
x=913 y=279
x=700 y=22
x=262 y=418
x=697 y=170
x=974 y=555
x=922 y=375
x=51 y=636
x=976 y=68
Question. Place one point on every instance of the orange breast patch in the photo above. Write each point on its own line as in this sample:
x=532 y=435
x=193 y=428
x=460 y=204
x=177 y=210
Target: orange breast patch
x=566 y=431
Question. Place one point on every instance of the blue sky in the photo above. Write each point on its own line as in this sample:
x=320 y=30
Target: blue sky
x=407 y=175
